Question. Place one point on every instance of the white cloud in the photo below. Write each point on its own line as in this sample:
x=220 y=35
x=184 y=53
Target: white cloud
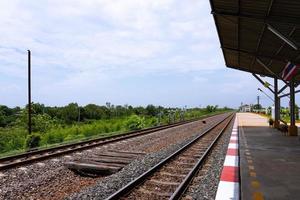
x=80 y=43
x=103 y=32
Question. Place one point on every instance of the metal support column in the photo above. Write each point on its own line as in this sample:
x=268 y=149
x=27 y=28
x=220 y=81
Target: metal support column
x=276 y=104
x=293 y=130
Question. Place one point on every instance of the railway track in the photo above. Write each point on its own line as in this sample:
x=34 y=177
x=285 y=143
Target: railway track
x=170 y=178
x=42 y=154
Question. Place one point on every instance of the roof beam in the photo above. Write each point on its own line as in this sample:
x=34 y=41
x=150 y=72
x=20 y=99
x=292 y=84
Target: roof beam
x=282 y=45
x=269 y=70
x=284 y=95
x=262 y=33
x=286 y=39
x=281 y=59
x=261 y=19
x=250 y=71
x=282 y=89
x=262 y=82
x=258 y=44
x=270 y=7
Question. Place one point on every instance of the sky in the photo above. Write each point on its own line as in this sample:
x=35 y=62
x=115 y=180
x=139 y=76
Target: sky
x=161 y=52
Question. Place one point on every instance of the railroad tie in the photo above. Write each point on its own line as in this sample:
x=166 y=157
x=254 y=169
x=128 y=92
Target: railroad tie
x=155 y=193
x=105 y=163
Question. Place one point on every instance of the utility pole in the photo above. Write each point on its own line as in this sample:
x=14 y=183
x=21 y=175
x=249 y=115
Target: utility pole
x=257 y=100
x=29 y=92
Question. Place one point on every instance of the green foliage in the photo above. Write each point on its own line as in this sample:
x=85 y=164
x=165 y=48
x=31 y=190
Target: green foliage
x=12 y=139
x=32 y=141
x=153 y=121
x=135 y=123
x=92 y=111
x=42 y=123
x=73 y=132
x=151 y=110
x=257 y=106
x=54 y=125
x=70 y=113
x=296 y=112
x=139 y=110
x=37 y=108
x=210 y=108
x=53 y=136
x=8 y=115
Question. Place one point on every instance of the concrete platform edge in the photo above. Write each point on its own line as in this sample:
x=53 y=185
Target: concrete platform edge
x=229 y=185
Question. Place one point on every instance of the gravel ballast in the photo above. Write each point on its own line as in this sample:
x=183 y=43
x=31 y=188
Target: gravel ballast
x=49 y=179
x=111 y=184
x=205 y=183
x=107 y=186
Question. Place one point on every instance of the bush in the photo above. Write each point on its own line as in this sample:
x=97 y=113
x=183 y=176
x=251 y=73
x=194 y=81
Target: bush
x=117 y=126
x=153 y=121
x=42 y=123
x=53 y=136
x=135 y=123
x=53 y=125
x=12 y=139
x=32 y=141
x=89 y=130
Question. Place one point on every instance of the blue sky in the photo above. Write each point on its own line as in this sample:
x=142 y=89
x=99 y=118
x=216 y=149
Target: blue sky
x=162 y=52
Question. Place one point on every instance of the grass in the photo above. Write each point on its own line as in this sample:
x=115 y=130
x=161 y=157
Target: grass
x=12 y=140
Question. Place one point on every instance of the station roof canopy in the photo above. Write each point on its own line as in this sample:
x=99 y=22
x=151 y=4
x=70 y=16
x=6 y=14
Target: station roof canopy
x=258 y=36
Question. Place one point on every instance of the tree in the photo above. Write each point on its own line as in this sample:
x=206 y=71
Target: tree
x=8 y=115
x=151 y=110
x=37 y=108
x=70 y=113
x=257 y=106
x=209 y=108
x=42 y=123
x=139 y=110
x=120 y=110
x=92 y=111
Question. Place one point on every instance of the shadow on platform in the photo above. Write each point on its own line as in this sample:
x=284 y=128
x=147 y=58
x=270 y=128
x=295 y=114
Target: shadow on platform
x=270 y=161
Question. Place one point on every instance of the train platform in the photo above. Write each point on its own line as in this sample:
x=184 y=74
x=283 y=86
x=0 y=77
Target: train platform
x=269 y=161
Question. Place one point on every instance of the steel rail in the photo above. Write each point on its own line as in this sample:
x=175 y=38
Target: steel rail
x=187 y=180
x=42 y=154
x=140 y=179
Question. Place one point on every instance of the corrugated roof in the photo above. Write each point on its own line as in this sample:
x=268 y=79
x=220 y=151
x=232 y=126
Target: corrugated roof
x=244 y=36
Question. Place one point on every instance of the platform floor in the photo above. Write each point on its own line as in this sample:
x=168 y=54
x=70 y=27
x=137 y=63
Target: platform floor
x=269 y=161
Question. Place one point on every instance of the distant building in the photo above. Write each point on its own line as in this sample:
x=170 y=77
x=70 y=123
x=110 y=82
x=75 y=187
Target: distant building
x=245 y=108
